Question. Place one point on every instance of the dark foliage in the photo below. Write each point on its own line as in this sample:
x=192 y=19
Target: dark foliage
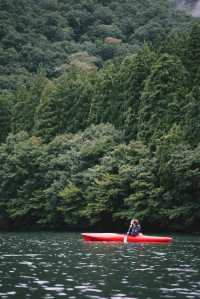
x=86 y=143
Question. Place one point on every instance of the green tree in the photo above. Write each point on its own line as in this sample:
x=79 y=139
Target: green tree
x=162 y=99
x=192 y=53
x=118 y=88
x=22 y=178
x=105 y=92
x=133 y=72
x=191 y=122
x=179 y=177
x=5 y=115
x=85 y=152
x=64 y=106
x=122 y=185
x=27 y=98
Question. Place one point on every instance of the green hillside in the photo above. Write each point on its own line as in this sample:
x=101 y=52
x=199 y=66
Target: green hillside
x=88 y=139
x=48 y=32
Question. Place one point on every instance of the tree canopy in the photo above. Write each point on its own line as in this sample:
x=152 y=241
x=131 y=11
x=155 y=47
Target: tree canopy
x=46 y=32
x=99 y=114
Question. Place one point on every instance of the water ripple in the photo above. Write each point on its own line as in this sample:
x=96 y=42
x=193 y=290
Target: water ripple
x=52 y=265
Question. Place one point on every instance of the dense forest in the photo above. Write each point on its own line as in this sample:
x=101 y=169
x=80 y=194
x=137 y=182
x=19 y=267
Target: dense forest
x=99 y=115
x=50 y=32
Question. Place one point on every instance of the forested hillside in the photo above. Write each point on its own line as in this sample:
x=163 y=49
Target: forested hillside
x=104 y=125
x=49 y=32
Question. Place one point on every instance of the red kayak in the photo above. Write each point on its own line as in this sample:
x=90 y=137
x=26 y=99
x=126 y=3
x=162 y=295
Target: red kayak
x=110 y=237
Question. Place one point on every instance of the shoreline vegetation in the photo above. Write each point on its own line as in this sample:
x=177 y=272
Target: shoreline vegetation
x=99 y=118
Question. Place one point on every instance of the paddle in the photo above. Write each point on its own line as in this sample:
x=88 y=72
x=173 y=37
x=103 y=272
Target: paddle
x=126 y=236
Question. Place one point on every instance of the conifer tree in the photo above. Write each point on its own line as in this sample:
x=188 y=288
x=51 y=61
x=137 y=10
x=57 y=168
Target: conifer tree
x=49 y=115
x=192 y=54
x=64 y=106
x=27 y=98
x=191 y=123
x=162 y=98
x=5 y=116
x=133 y=73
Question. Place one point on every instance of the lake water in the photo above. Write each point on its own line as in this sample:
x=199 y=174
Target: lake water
x=61 y=265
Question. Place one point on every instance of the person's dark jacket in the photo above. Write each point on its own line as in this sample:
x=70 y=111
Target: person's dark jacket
x=134 y=230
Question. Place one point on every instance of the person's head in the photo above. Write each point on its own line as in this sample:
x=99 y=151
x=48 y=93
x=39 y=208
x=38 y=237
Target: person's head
x=134 y=221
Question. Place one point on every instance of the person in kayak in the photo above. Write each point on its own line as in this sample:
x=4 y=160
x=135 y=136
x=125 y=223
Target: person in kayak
x=135 y=228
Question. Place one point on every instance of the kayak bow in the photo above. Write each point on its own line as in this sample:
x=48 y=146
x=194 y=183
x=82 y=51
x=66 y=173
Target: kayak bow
x=111 y=237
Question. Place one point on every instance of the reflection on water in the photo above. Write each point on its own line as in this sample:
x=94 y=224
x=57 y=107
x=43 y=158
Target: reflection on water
x=56 y=265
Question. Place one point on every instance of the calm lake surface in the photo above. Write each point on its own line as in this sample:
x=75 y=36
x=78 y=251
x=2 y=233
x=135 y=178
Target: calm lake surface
x=61 y=265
